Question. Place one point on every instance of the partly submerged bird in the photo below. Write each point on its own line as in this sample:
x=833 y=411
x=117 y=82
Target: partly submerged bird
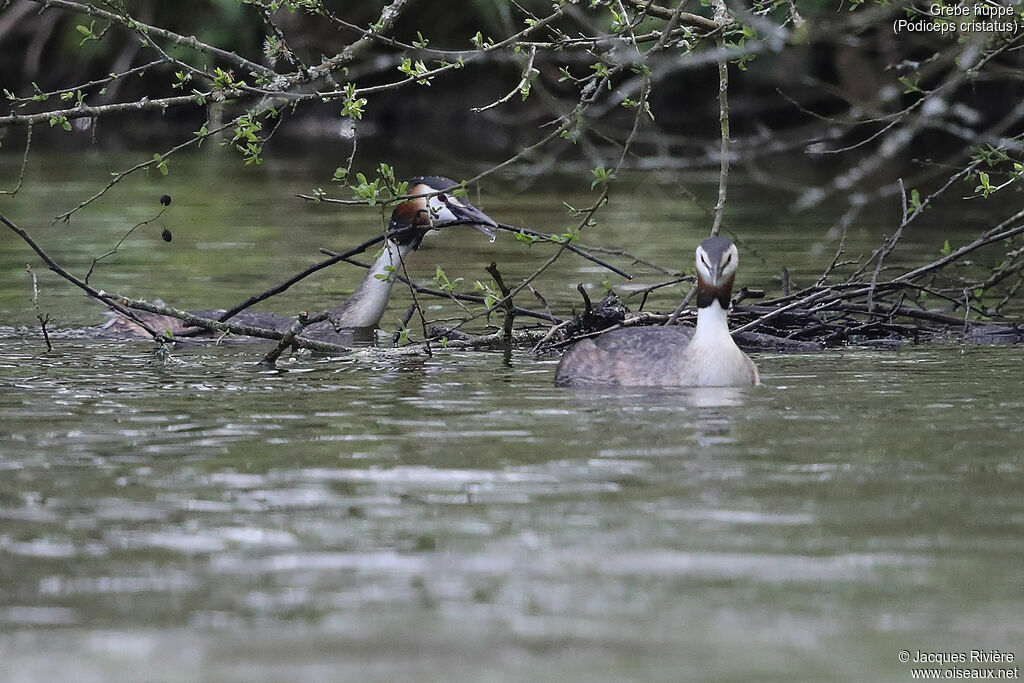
x=432 y=204
x=671 y=356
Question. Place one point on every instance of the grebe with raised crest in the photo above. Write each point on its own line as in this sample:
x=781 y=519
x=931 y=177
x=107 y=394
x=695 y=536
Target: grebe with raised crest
x=431 y=204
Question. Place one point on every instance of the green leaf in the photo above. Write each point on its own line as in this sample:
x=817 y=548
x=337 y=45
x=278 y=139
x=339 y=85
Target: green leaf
x=986 y=188
x=161 y=164
x=602 y=176
x=353 y=106
x=910 y=83
x=60 y=120
x=490 y=298
x=915 y=200
x=526 y=239
x=87 y=31
x=446 y=285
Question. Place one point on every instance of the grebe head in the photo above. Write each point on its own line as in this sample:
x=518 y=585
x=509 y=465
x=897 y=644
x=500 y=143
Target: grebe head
x=416 y=216
x=717 y=259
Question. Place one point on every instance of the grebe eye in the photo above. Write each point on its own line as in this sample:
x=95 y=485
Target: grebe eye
x=442 y=198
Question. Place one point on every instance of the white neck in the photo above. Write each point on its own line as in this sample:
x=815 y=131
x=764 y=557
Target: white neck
x=367 y=304
x=712 y=357
x=712 y=324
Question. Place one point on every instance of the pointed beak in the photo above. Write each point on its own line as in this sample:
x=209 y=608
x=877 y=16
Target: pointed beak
x=716 y=275
x=475 y=217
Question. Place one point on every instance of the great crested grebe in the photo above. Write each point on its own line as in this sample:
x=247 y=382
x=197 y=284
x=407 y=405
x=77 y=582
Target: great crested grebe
x=671 y=356
x=410 y=221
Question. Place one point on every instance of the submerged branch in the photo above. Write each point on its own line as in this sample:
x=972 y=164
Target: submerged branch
x=193 y=320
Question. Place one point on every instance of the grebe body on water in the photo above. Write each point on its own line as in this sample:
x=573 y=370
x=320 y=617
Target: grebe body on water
x=705 y=356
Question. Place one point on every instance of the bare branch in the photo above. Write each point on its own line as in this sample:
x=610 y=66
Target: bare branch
x=108 y=300
x=24 y=163
x=134 y=24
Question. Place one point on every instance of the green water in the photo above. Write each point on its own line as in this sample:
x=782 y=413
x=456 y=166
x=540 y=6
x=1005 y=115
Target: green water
x=456 y=517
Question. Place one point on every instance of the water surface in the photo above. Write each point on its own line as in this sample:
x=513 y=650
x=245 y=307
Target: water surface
x=456 y=517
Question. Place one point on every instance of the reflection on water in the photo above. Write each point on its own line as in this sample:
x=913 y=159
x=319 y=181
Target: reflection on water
x=457 y=517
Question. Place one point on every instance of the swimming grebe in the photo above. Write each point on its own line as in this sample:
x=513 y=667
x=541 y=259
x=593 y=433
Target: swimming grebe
x=410 y=221
x=671 y=356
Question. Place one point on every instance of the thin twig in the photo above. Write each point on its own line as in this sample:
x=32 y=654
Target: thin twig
x=118 y=177
x=528 y=74
x=299 y=324
x=43 y=320
x=277 y=289
x=24 y=163
x=188 y=41
x=723 y=120
x=117 y=246
x=567 y=244
x=806 y=301
x=457 y=296
x=888 y=245
x=682 y=305
x=334 y=258
x=506 y=296
x=419 y=309
x=403 y=323
x=109 y=300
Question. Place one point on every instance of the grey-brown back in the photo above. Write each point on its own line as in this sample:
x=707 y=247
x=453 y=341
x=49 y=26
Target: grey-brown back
x=632 y=355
